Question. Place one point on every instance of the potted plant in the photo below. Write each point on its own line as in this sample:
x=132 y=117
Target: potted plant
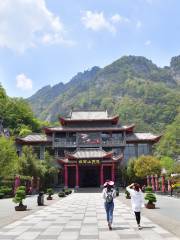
x=150 y=196
x=128 y=196
x=61 y=194
x=50 y=192
x=19 y=196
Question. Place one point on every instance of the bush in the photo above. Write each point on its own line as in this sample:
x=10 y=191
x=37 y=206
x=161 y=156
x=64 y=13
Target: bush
x=150 y=197
x=128 y=196
x=50 y=191
x=61 y=194
x=6 y=190
x=20 y=195
x=148 y=189
x=68 y=191
x=1 y=195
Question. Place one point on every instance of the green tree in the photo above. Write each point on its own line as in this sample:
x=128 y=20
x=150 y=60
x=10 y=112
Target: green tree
x=169 y=144
x=29 y=164
x=167 y=163
x=8 y=157
x=147 y=165
x=131 y=172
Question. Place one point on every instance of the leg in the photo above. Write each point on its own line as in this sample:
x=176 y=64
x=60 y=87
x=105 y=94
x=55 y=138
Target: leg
x=107 y=211
x=138 y=217
x=111 y=209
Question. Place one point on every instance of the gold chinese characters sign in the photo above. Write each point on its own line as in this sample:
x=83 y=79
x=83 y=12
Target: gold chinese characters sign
x=89 y=162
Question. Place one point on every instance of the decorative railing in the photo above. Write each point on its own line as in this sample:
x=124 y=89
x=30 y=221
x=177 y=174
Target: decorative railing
x=67 y=143
x=63 y=143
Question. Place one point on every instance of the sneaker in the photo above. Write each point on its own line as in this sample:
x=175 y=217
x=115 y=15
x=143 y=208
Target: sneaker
x=139 y=227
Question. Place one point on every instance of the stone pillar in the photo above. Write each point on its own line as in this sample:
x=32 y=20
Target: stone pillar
x=153 y=182
x=17 y=183
x=112 y=172
x=77 y=176
x=156 y=182
x=163 y=184
x=101 y=175
x=65 y=176
x=148 y=181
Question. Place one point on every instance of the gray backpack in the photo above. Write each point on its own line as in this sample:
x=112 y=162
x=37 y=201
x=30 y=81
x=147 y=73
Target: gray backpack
x=109 y=197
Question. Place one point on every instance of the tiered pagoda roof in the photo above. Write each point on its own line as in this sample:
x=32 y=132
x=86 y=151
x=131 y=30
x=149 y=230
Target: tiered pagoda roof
x=128 y=128
x=89 y=116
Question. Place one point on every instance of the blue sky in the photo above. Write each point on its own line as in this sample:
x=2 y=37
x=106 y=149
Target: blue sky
x=44 y=42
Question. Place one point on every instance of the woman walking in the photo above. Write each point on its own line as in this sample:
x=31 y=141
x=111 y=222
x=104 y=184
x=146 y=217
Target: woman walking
x=137 y=201
x=109 y=194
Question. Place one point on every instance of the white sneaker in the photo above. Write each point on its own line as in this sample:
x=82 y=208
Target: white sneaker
x=139 y=227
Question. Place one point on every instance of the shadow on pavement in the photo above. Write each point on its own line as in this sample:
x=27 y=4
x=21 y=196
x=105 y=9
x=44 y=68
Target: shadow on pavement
x=88 y=190
x=120 y=228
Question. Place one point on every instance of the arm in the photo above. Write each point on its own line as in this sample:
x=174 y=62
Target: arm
x=104 y=194
x=129 y=188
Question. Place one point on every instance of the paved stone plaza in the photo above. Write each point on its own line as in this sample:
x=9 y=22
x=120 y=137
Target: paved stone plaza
x=82 y=216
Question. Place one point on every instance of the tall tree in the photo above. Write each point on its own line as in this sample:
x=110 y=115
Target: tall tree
x=8 y=157
x=147 y=165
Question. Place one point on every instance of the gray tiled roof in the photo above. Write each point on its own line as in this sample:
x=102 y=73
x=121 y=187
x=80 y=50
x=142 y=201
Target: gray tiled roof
x=90 y=153
x=35 y=138
x=141 y=136
x=83 y=129
x=82 y=115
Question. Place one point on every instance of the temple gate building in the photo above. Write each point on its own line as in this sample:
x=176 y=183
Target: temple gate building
x=89 y=147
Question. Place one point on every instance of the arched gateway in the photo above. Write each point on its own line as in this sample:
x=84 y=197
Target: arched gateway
x=89 y=146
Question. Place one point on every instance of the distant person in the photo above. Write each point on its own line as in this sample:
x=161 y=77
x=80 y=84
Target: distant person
x=109 y=194
x=137 y=201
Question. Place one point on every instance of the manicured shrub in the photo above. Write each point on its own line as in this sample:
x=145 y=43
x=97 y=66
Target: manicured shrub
x=50 y=192
x=6 y=190
x=150 y=197
x=148 y=189
x=20 y=195
x=128 y=196
x=61 y=194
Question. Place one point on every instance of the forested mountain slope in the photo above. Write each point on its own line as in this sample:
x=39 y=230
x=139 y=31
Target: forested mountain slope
x=133 y=87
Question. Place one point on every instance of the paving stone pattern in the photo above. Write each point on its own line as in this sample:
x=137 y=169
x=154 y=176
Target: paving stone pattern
x=82 y=216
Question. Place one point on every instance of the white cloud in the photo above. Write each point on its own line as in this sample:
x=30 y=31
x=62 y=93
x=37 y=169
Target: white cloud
x=138 y=24
x=27 y=23
x=23 y=82
x=97 y=22
x=119 y=19
x=147 y=43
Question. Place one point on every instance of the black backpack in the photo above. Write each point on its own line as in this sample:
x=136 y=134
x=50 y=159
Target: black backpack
x=109 y=197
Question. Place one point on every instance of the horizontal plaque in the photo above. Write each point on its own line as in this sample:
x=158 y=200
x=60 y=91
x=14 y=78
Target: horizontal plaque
x=89 y=162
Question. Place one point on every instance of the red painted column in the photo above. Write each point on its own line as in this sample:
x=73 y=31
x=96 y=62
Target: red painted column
x=101 y=175
x=153 y=182
x=112 y=172
x=77 y=176
x=65 y=176
x=163 y=183
x=156 y=182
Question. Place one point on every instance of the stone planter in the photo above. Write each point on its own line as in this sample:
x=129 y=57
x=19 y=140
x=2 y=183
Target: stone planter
x=21 y=208
x=150 y=205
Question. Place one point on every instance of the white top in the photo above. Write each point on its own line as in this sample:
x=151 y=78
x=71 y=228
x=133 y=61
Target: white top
x=105 y=193
x=137 y=199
